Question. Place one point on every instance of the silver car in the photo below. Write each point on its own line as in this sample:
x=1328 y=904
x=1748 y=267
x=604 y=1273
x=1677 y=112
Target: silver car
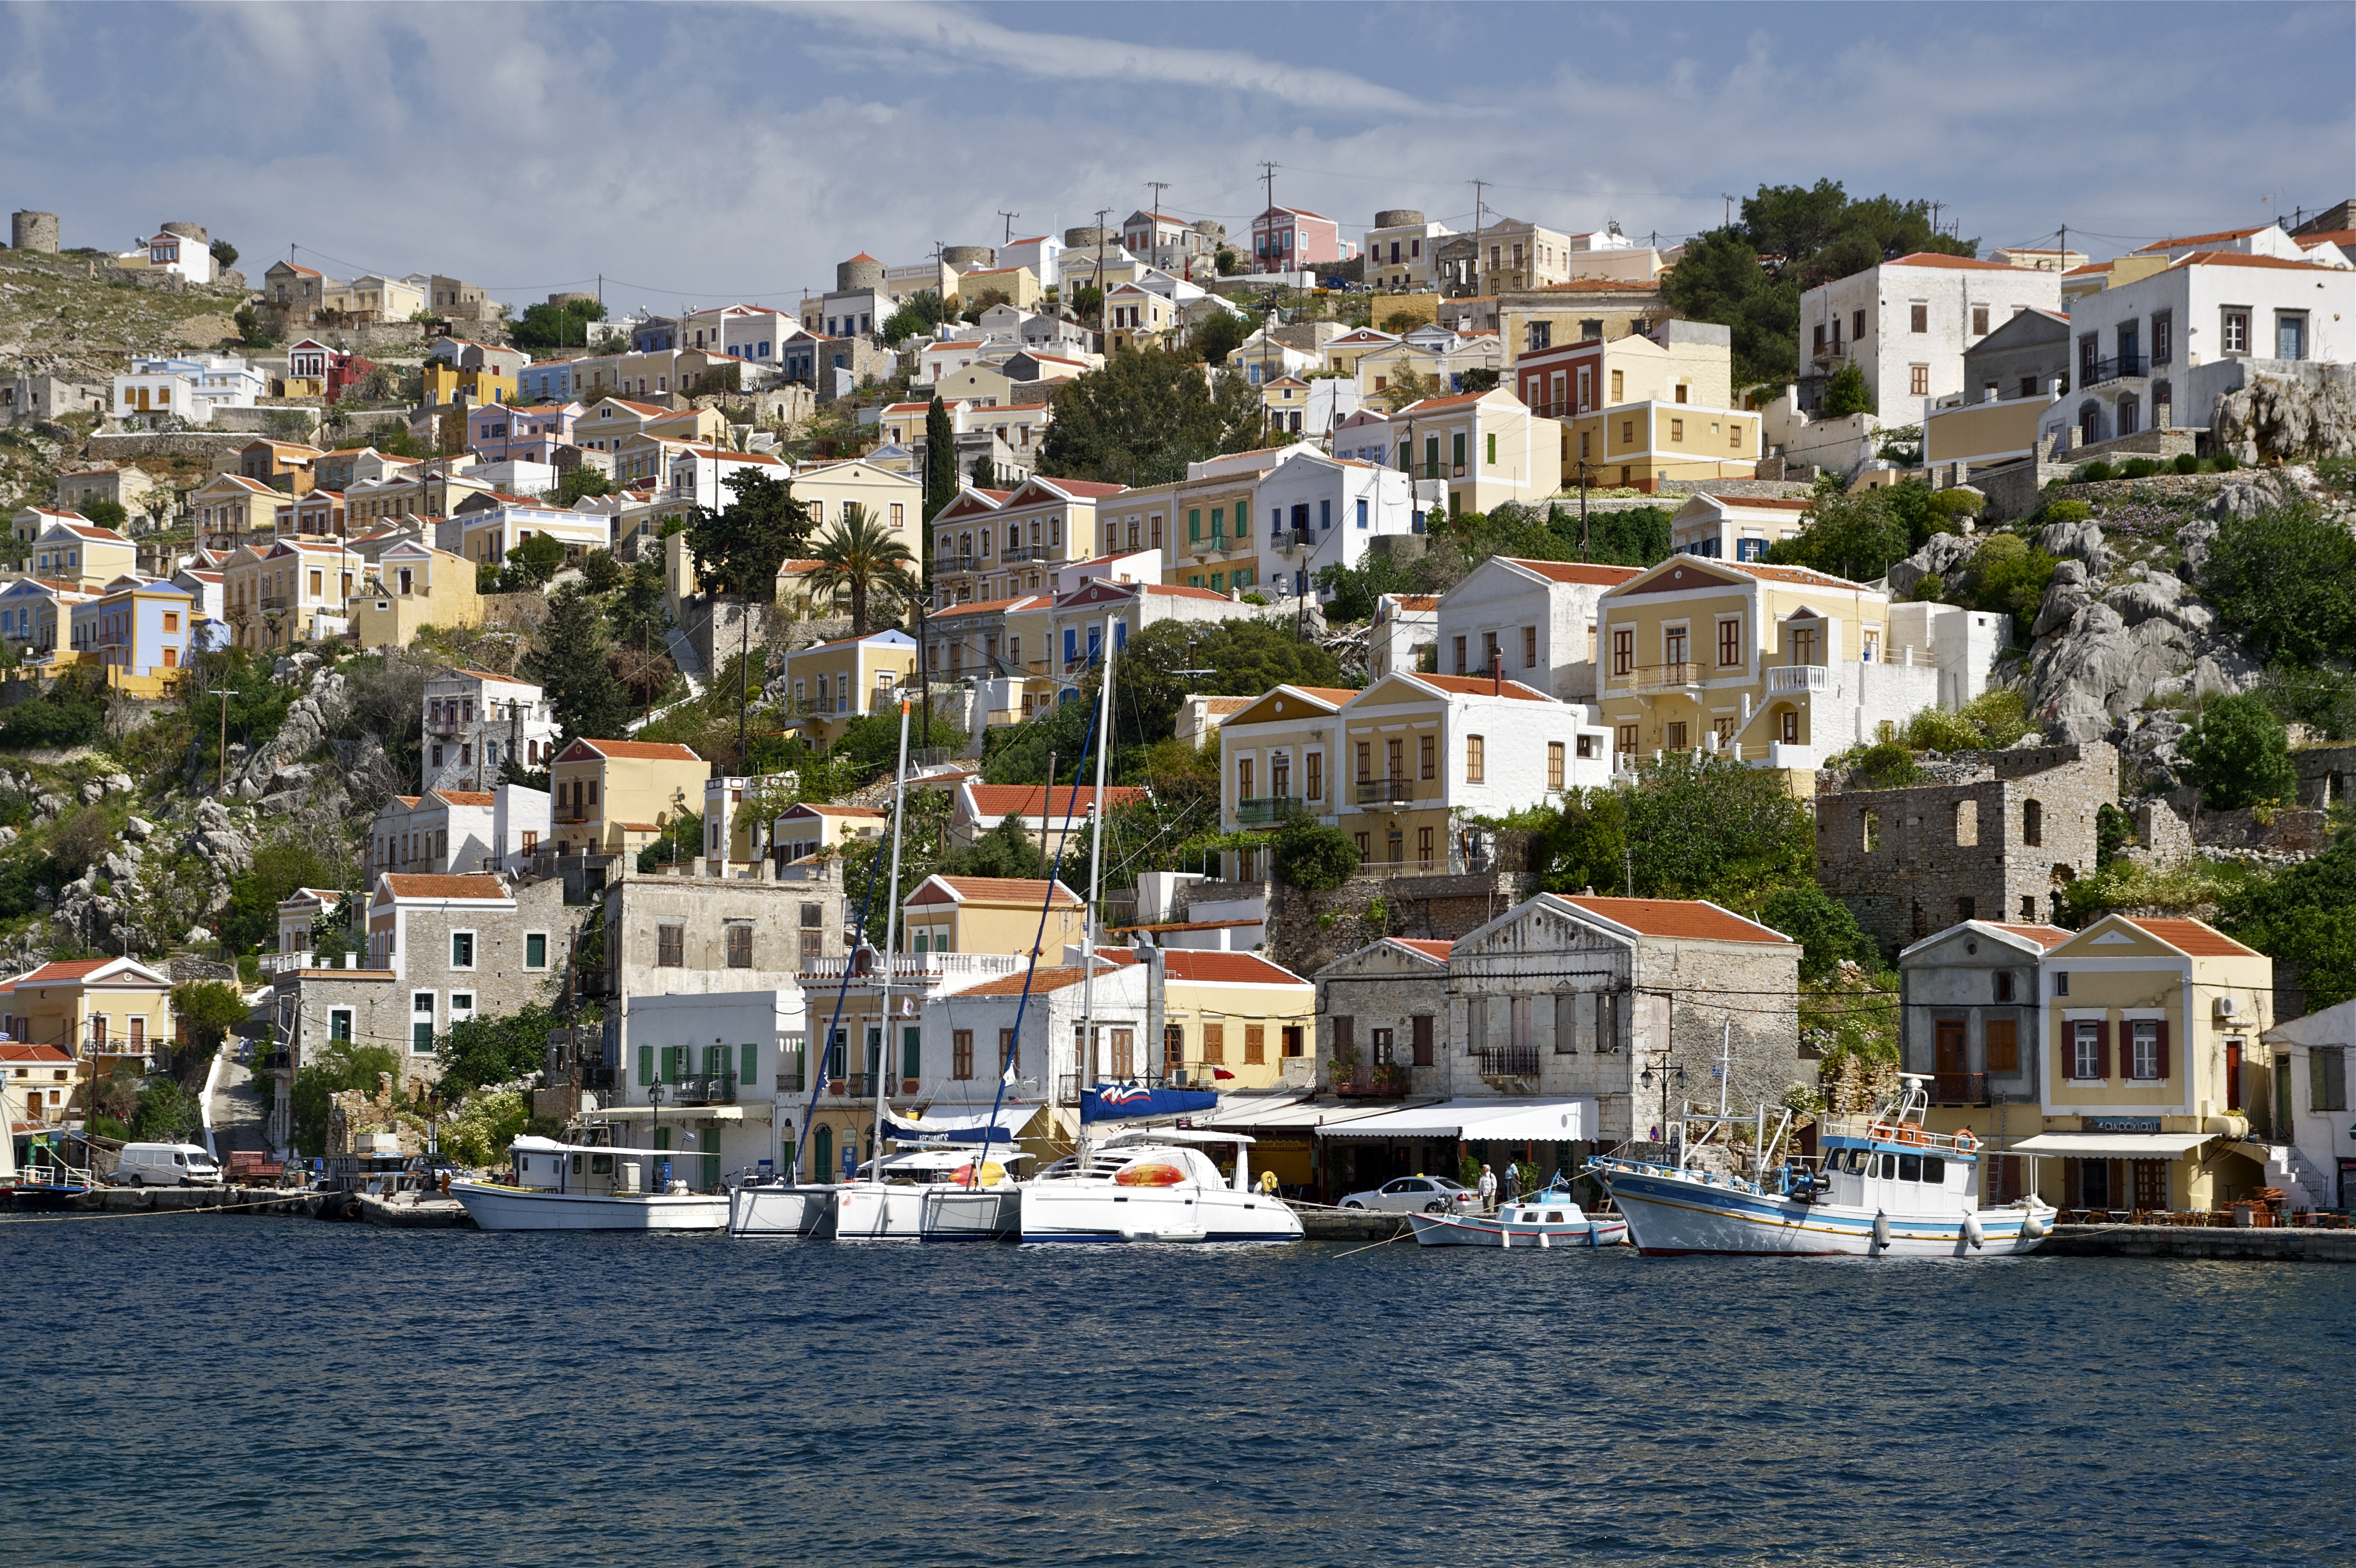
x=1416 y=1195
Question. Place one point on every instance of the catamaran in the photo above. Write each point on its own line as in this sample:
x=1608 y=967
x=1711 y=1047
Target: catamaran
x=934 y=1193
x=555 y=1185
x=1886 y=1186
x=1154 y=1185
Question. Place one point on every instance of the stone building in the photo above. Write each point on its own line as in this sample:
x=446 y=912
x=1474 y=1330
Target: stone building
x=2003 y=844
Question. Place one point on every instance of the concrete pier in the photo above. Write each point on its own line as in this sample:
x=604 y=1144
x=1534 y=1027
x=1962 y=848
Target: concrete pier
x=1351 y=1225
x=2201 y=1241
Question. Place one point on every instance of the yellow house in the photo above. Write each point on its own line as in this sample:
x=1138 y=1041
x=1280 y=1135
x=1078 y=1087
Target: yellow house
x=896 y=501
x=1000 y=544
x=275 y=595
x=602 y=428
x=82 y=553
x=1230 y=1020
x=615 y=797
x=1138 y=318
x=986 y=385
x=230 y=508
x=415 y=586
x=814 y=827
x=1777 y=666
x=2155 y=1087
x=1210 y=541
x=838 y=681
x=1639 y=445
x=1687 y=365
x=989 y=915
x=446 y=384
x=93 y=1007
x=1291 y=739
x=1484 y=447
x=1019 y=284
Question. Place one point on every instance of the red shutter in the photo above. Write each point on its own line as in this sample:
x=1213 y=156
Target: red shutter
x=2161 y=1069
x=2102 y=1049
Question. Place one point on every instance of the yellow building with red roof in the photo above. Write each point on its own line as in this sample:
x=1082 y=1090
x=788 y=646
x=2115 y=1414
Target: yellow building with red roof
x=92 y=1007
x=615 y=797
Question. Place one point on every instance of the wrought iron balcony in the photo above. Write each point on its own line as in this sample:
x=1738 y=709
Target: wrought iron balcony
x=1259 y=811
x=1367 y=1081
x=1393 y=789
x=2095 y=372
x=1014 y=552
x=704 y=1089
x=1510 y=1061
x=1959 y=1088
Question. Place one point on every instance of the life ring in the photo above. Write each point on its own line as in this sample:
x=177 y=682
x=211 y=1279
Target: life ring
x=1911 y=1133
x=1964 y=1141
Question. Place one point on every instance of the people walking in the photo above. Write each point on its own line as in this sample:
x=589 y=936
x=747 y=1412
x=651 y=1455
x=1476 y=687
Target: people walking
x=1512 y=1183
x=1488 y=1190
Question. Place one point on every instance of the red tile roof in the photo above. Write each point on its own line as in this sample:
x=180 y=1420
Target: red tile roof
x=1691 y=917
x=1179 y=591
x=2044 y=936
x=1203 y=968
x=2199 y=239
x=466 y=797
x=1933 y=259
x=1427 y=947
x=638 y=750
x=1576 y=572
x=991 y=889
x=410 y=885
x=1040 y=982
x=2236 y=259
x=14 y=1052
x=995 y=802
x=1482 y=686
x=59 y=971
x=2193 y=938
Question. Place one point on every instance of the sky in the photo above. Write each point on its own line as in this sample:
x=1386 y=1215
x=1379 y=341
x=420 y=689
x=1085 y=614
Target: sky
x=694 y=155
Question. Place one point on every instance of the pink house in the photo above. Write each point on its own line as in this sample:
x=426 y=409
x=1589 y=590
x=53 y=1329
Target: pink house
x=1291 y=238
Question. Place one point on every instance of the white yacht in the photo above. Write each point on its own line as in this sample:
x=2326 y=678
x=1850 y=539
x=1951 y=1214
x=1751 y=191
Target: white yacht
x=589 y=1186
x=933 y=1194
x=1153 y=1185
x=781 y=1208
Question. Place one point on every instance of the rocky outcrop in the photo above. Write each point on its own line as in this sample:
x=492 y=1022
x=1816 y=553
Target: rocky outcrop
x=1943 y=555
x=275 y=766
x=2288 y=418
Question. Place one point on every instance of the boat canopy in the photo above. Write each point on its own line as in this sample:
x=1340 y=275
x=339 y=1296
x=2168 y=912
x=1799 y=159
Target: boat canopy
x=1509 y=1121
x=1197 y=1136
x=981 y=1129
x=1123 y=1102
x=528 y=1144
x=2110 y=1146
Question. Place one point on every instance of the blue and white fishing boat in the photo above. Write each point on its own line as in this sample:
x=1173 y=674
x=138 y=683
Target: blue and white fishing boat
x=1541 y=1221
x=1883 y=1186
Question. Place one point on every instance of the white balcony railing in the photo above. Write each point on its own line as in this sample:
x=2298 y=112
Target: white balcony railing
x=1784 y=680
x=922 y=968
x=279 y=962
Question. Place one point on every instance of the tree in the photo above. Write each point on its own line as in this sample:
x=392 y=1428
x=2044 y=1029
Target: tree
x=167 y=1113
x=250 y=920
x=487 y=1050
x=569 y=655
x=2008 y=576
x=639 y=614
x=1005 y=851
x=210 y=1009
x=343 y=1066
x=532 y=563
x=1143 y=417
x=544 y=327
x=2285 y=581
x=2305 y=918
x=104 y=514
x=1712 y=830
x=1086 y=300
x=940 y=458
x=1859 y=537
x=917 y=316
x=1220 y=334
x=224 y=253
x=1720 y=279
x=859 y=556
x=2240 y=754
x=1480 y=380
x=1846 y=393
x=575 y=483
x=1823 y=926
x=600 y=572
x=1312 y=856
x=982 y=478
x=739 y=550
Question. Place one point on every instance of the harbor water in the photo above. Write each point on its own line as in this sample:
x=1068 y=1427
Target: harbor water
x=204 y=1390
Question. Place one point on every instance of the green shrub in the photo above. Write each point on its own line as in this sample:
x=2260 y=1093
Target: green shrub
x=2009 y=577
x=2138 y=469
x=2323 y=697
x=2090 y=473
x=2002 y=715
x=1823 y=926
x=2240 y=754
x=2065 y=512
x=1886 y=765
x=1930 y=589
x=61 y=719
x=2286 y=581
x=2186 y=462
x=1956 y=504
x=1314 y=857
x=2224 y=462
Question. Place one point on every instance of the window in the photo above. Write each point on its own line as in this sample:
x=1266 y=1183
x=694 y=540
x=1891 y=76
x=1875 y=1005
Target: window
x=1491 y=445
x=962 y=1053
x=2146 y=1053
x=1255 y=1045
x=1967 y=822
x=2032 y=822
x=1676 y=430
x=2088 y=1047
x=1554 y=765
x=1530 y=648
x=1870 y=838
x=2236 y=331
x=2003 y=1044
x=740 y=944
x=1624 y=739
x=535 y=950
x=1730 y=643
x=1427 y=756
x=1215 y=1044
x=1456 y=454
x=2163 y=337
x=1979 y=320
x=1624 y=650
x=462 y=950
x=1195 y=524
x=1676 y=735
x=1618 y=386
x=1918 y=380
x=670 y=946
x=1476 y=759
x=340 y=1024
x=2326 y=1077
x=2004 y=985
x=1918 y=318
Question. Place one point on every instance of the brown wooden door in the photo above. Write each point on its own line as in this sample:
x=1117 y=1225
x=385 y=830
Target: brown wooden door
x=1954 y=1070
x=2233 y=1074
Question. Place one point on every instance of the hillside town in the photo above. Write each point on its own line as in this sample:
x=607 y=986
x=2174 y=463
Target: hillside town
x=1430 y=701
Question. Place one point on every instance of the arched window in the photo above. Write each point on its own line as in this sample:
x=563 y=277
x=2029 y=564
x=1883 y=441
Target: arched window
x=2032 y=822
x=822 y=1155
x=2090 y=422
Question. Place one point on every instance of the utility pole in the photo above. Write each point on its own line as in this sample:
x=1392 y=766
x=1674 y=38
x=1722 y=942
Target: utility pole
x=1480 y=189
x=1267 y=172
x=1153 y=215
x=1010 y=218
x=1102 y=213
x=220 y=775
x=1729 y=209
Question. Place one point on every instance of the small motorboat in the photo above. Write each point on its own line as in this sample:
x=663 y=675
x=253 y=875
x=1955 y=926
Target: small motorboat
x=589 y=1186
x=1540 y=1221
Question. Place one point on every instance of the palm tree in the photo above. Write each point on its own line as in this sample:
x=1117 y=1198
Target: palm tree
x=858 y=554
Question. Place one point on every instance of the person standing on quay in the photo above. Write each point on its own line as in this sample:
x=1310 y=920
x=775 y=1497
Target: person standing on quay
x=1488 y=1190
x=1512 y=1182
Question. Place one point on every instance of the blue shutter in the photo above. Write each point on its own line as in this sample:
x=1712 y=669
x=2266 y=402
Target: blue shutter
x=1362 y=513
x=1324 y=514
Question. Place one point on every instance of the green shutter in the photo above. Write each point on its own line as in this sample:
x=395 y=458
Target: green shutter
x=752 y=1067
x=1243 y=522
x=421 y=1037
x=1195 y=524
x=1493 y=448
x=1456 y=450
x=1431 y=456
x=646 y=1066
x=912 y=1051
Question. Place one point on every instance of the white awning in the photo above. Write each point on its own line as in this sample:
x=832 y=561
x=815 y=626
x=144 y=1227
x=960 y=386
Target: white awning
x=2111 y=1145
x=1284 y=1113
x=1556 y=1120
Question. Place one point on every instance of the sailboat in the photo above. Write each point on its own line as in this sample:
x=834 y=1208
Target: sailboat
x=1144 y=1185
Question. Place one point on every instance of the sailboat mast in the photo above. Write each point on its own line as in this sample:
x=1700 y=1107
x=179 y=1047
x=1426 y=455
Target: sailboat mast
x=1096 y=873
x=890 y=945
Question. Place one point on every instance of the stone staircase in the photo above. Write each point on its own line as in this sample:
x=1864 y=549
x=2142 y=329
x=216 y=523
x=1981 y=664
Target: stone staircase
x=2303 y=1184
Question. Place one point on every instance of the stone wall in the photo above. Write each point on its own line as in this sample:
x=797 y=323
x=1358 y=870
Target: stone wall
x=2327 y=774
x=209 y=446
x=1895 y=856
x=1306 y=931
x=1763 y=489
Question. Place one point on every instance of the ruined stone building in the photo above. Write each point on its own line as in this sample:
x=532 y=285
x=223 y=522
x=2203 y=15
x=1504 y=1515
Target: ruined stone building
x=2002 y=845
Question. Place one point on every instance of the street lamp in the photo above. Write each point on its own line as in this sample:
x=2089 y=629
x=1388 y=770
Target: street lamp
x=1668 y=1075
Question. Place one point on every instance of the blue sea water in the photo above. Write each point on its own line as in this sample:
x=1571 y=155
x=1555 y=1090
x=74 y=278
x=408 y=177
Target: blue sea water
x=219 y=1389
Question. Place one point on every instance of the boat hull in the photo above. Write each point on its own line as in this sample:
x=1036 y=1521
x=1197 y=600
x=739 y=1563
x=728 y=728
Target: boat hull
x=781 y=1211
x=929 y=1213
x=1484 y=1230
x=494 y=1206
x=1673 y=1213
x=1104 y=1211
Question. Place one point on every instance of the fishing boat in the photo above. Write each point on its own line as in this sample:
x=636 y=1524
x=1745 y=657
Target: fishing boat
x=1883 y=1185
x=555 y=1185
x=936 y=1193
x=1540 y=1221
x=780 y=1206
x=1154 y=1185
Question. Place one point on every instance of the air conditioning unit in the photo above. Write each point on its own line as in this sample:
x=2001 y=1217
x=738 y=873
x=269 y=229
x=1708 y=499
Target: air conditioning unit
x=2228 y=1008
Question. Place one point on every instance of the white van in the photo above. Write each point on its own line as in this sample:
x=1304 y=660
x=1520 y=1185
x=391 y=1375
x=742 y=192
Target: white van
x=166 y=1165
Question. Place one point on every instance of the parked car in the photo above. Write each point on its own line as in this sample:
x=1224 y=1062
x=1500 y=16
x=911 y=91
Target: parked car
x=1415 y=1195
x=166 y=1165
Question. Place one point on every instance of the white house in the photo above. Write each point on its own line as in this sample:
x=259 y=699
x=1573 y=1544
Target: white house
x=190 y=258
x=1735 y=528
x=700 y=475
x=1403 y=626
x=2322 y=1134
x=1906 y=323
x=187 y=386
x=1324 y=511
x=473 y=724
x=1533 y=619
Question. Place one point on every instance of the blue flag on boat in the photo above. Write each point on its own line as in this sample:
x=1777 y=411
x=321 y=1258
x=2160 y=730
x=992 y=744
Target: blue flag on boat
x=911 y=1129
x=1117 y=1102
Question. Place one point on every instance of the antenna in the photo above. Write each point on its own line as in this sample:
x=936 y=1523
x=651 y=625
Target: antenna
x=1729 y=209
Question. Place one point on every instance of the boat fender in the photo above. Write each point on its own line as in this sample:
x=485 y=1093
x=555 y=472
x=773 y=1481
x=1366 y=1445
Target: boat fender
x=1542 y=1242
x=2032 y=1226
x=1881 y=1229
x=1972 y=1231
